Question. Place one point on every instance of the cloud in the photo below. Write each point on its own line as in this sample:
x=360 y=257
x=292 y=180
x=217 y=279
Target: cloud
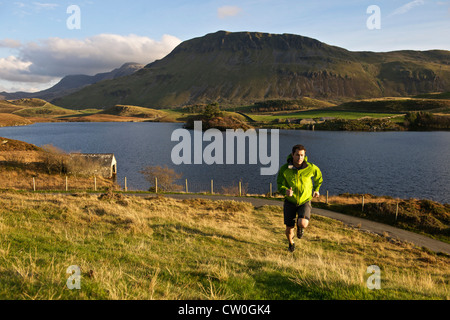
x=228 y=11
x=9 y=43
x=49 y=60
x=100 y=53
x=407 y=7
x=22 y=9
x=45 y=5
x=13 y=69
x=55 y=57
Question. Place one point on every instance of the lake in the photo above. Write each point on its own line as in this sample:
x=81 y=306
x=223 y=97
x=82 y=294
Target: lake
x=397 y=164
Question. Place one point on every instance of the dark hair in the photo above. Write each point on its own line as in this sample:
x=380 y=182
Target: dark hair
x=298 y=147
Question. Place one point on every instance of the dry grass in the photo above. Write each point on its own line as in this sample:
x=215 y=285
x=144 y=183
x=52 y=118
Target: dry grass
x=421 y=216
x=134 y=111
x=11 y=120
x=18 y=168
x=104 y=118
x=23 y=180
x=22 y=162
x=161 y=248
x=352 y=199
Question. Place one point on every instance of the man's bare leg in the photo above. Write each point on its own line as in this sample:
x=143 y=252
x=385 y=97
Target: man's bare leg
x=290 y=234
x=303 y=223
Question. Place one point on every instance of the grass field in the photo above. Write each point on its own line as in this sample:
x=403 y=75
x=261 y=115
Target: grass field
x=312 y=114
x=160 y=248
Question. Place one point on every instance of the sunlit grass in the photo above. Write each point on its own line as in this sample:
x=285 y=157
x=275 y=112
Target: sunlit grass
x=320 y=114
x=161 y=248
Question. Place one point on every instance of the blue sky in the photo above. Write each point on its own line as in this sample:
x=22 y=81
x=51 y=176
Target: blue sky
x=37 y=48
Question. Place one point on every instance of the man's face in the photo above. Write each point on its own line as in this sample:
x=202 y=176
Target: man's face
x=299 y=157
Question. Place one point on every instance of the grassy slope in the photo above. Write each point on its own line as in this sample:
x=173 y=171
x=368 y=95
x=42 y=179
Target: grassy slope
x=11 y=120
x=8 y=107
x=394 y=108
x=134 y=111
x=27 y=111
x=46 y=111
x=20 y=162
x=396 y=105
x=313 y=114
x=134 y=248
x=7 y=144
x=421 y=216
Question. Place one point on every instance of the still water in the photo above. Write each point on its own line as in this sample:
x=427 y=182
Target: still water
x=398 y=164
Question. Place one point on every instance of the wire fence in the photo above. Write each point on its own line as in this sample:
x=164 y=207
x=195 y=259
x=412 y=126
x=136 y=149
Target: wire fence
x=96 y=184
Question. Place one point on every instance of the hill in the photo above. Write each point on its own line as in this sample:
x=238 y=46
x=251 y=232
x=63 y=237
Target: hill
x=45 y=111
x=134 y=111
x=73 y=83
x=396 y=105
x=434 y=95
x=246 y=67
x=130 y=248
x=27 y=111
x=16 y=145
x=11 y=120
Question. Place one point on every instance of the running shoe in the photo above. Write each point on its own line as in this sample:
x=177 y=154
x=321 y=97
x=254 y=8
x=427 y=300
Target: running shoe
x=291 y=247
x=300 y=232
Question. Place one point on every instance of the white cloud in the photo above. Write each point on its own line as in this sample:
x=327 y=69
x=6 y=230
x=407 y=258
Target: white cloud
x=15 y=70
x=100 y=53
x=56 y=57
x=407 y=7
x=45 y=5
x=228 y=11
x=9 y=43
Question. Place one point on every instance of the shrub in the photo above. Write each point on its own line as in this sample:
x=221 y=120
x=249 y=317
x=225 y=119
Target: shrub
x=54 y=159
x=166 y=178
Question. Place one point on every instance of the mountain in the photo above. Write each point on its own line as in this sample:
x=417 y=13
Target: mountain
x=73 y=83
x=246 y=67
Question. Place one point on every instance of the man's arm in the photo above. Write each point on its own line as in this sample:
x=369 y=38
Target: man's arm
x=281 y=182
x=317 y=179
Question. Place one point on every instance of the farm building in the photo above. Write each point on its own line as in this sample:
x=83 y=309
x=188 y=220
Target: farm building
x=104 y=165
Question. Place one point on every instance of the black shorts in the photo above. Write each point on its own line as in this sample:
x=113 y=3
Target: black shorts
x=291 y=210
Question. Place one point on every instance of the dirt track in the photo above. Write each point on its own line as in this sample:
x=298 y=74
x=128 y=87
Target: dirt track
x=363 y=224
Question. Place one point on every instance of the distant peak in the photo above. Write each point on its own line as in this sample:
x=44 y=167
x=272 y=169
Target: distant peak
x=130 y=64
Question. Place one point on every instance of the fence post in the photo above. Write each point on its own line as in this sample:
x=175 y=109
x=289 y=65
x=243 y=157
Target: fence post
x=187 y=186
x=156 y=185
x=212 y=186
x=327 y=197
x=95 y=183
x=362 y=203
x=126 y=188
x=270 y=191
x=67 y=184
x=240 y=189
x=396 y=212
x=34 y=184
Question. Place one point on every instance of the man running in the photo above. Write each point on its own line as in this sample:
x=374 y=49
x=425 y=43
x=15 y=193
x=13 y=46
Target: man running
x=299 y=181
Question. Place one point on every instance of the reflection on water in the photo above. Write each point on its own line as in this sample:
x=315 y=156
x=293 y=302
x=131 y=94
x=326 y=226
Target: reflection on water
x=398 y=164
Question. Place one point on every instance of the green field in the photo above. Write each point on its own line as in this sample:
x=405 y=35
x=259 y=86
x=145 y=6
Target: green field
x=314 y=114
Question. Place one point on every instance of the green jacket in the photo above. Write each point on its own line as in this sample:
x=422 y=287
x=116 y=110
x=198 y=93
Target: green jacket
x=303 y=181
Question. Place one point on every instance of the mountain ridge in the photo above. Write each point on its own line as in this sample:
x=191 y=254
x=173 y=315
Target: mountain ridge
x=73 y=83
x=246 y=67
